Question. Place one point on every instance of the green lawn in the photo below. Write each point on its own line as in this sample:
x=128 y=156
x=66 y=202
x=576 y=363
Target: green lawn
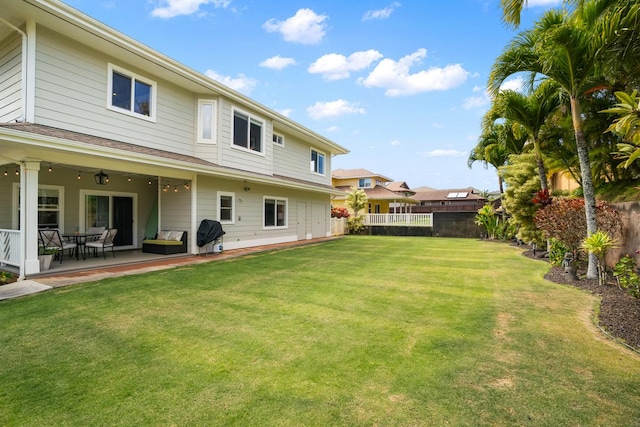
x=384 y=331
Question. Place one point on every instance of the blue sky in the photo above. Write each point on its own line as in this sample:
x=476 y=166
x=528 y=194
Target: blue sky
x=399 y=83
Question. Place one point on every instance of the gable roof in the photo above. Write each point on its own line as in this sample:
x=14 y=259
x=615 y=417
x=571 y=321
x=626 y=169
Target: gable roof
x=356 y=173
x=379 y=192
x=399 y=186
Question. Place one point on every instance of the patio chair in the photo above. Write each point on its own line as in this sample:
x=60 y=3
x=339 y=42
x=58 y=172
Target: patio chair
x=51 y=239
x=105 y=241
x=98 y=233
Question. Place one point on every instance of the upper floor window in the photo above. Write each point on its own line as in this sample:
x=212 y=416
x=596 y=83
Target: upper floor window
x=207 y=110
x=131 y=94
x=247 y=131
x=226 y=207
x=317 y=162
x=364 y=183
x=278 y=139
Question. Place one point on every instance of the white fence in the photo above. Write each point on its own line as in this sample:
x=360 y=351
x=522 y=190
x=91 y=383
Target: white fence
x=400 y=220
x=339 y=226
x=10 y=247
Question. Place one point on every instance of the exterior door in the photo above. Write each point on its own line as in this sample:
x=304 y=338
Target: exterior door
x=301 y=224
x=319 y=221
x=123 y=220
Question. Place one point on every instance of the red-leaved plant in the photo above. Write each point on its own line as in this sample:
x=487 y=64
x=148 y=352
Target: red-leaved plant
x=565 y=220
x=339 y=213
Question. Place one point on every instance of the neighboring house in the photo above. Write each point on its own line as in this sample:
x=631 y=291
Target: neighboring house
x=79 y=101
x=452 y=200
x=381 y=191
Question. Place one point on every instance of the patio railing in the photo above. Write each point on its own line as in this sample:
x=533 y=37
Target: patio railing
x=400 y=220
x=10 y=247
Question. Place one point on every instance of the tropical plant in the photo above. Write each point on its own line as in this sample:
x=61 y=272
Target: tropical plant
x=530 y=112
x=495 y=145
x=564 y=220
x=522 y=183
x=566 y=49
x=357 y=200
x=627 y=125
x=626 y=276
x=598 y=244
x=487 y=218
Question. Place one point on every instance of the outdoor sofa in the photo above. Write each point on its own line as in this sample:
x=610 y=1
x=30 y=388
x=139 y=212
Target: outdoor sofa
x=166 y=242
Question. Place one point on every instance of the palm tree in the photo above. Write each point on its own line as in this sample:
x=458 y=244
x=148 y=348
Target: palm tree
x=530 y=112
x=565 y=50
x=512 y=9
x=494 y=147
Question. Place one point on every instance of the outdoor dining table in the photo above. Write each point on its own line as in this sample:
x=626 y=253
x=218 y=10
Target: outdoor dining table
x=80 y=239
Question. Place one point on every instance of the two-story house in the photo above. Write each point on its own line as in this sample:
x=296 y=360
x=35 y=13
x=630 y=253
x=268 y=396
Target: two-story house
x=97 y=129
x=382 y=192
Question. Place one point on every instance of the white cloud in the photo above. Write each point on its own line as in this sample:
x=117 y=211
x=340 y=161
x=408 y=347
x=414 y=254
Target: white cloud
x=394 y=143
x=304 y=27
x=321 y=110
x=286 y=112
x=381 y=13
x=443 y=153
x=172 y=8
x=277 y=62
x=437 y=125
x=241 y=83
x=335 y=67
x=332 y=129
x=476 y=102
x=395 y=78
x=516 y=84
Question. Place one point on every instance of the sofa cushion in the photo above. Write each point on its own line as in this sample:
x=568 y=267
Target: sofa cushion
x=163 y=242
x=163 y=235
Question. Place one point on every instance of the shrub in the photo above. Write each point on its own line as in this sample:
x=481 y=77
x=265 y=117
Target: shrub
x=598 y=244
x=356 y=224
x=339 y=212
x=626 y=276
x=556 y=252
x=565 y=221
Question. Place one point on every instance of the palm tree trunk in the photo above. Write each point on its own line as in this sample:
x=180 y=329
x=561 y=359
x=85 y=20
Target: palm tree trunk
x=587 y=181
x=542 y=172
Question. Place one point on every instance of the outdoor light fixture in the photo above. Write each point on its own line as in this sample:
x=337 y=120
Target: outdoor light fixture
x=101 y=178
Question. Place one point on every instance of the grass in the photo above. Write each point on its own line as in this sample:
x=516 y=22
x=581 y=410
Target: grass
x=358 y=331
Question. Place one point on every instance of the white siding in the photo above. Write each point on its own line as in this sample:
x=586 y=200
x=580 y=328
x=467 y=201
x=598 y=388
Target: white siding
x=243 y=159
x=293 y=160
x=71 y=93
x=11 y=80
x=175 y=212
x=248 y=229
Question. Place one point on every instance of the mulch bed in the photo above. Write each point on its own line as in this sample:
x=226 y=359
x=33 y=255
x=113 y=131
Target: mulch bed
x=619 y=312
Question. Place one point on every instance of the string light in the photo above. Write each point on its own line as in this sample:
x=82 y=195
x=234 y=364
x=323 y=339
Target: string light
x=50 y=167
x=129 y=178
x=17 y=171
x=78 y=174
x=149 y=181
x=175 y=188
x=5 y=172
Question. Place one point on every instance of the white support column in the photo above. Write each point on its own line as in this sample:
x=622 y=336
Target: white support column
x=193 y=246
x=29 y=172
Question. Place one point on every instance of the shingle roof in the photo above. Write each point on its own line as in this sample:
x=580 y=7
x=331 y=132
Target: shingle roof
x=440 y=195
x=355 y=173
x=379 y=193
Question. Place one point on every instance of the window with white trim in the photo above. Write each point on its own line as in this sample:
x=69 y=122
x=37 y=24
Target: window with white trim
x=226 y=207
x=50 y=206
x=275 y=212
x=364 y=183
x=207 y=124
x=278 y=139
x=247 y=132
x=131 y=94
x=317 y=162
